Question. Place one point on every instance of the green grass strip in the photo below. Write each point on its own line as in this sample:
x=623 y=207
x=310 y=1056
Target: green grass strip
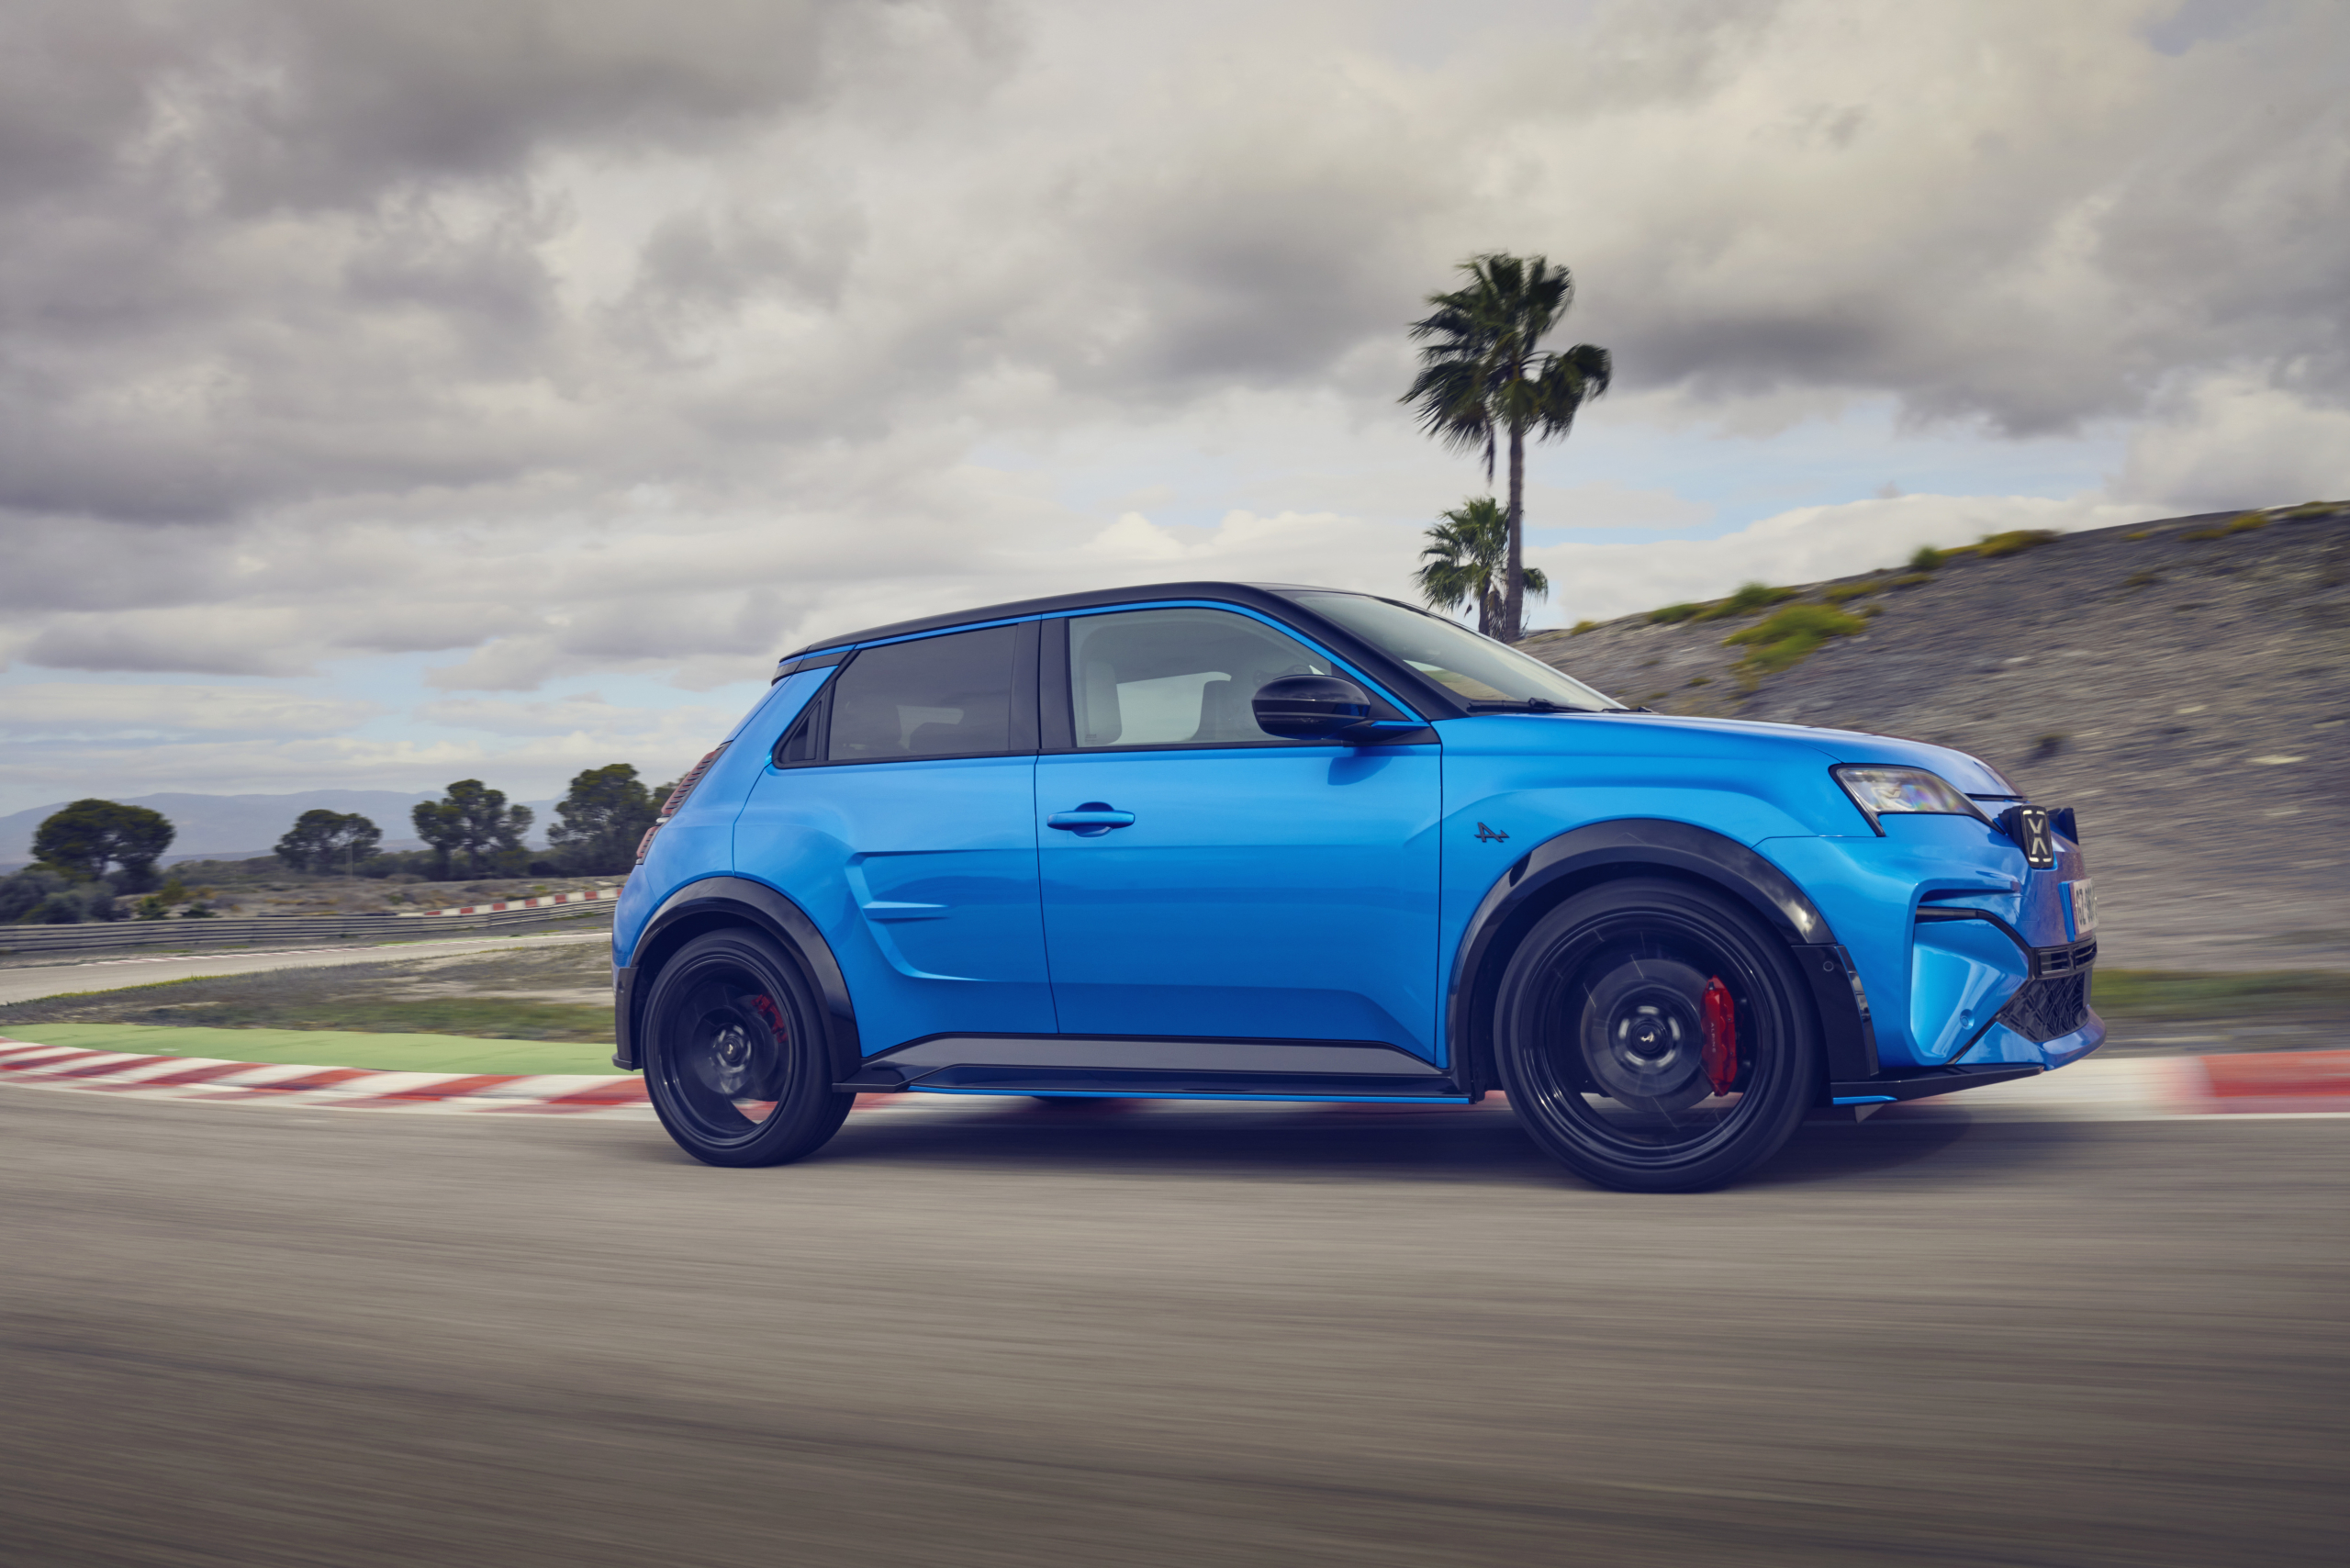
x=318 y=1047
x=2256 y=993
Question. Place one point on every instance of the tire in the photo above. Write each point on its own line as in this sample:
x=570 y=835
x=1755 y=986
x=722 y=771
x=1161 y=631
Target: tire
x=736 y=1062
x=1655 y=1037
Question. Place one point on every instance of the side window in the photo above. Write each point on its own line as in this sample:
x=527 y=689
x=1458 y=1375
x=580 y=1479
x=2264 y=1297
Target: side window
x=1155 y=678
x=949 y=696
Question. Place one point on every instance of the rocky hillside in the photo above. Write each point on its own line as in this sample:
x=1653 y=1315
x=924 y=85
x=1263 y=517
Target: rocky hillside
x=2186 y=684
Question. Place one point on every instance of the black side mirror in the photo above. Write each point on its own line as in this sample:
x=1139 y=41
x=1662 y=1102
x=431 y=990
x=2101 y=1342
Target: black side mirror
x=1311 y=708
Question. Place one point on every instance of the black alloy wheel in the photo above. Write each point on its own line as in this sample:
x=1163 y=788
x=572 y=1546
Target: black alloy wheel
x=1655 y=1039
x=735 y=1061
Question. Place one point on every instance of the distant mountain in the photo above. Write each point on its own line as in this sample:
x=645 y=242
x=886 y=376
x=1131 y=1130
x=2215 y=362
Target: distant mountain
x=229 y=827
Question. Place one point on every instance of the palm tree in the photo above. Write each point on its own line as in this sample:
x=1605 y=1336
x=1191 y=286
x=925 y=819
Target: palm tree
x=1467 y=553
x=1486 y=375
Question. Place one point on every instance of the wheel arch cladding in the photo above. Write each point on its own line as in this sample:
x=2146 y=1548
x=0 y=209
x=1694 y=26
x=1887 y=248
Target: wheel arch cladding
x=716 y=903
x=1586 y=857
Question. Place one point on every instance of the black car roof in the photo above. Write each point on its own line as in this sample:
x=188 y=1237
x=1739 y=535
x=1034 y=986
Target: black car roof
x=1261 y=595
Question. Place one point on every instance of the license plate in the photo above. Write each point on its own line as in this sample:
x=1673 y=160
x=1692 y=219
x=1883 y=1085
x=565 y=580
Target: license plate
x=2084 y=899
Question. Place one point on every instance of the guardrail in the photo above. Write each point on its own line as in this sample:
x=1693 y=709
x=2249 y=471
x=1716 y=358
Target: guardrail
x=20 y=941
x=544 y=900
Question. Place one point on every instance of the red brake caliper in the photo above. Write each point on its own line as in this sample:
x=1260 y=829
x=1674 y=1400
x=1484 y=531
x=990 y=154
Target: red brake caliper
x=1722 y=1036
x=765 y=1008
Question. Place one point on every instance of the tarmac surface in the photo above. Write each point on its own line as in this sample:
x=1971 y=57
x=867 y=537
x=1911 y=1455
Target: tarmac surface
x=28 y=983
x=1033 y=1336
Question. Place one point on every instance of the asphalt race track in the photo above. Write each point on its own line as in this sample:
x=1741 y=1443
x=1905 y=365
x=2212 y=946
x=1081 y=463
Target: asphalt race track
x=1020 y=1336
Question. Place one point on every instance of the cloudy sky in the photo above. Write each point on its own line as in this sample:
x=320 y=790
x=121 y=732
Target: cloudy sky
x=397 y=390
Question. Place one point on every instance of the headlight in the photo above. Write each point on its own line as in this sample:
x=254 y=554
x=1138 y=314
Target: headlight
x=1882 y=791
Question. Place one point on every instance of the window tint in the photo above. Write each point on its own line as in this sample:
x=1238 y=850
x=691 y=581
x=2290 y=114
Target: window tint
x=1176 y=677
x=946 y=696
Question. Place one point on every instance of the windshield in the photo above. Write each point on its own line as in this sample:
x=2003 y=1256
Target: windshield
x=1478 y=669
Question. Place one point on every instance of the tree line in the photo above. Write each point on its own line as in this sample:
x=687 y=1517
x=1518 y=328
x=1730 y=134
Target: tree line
x=474 y=830
x=92 y=857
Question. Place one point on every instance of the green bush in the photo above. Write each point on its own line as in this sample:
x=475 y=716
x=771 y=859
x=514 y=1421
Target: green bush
x=1927 y=559
x=1745 y=601
x=2243 y=523
x=1844 y=592
x=2014 y=541
x=1580 y=627
x=1792 y=635
x=1673 y=614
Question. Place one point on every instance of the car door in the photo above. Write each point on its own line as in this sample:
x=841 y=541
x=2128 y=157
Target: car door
x=898 y=812
x=1205 y=879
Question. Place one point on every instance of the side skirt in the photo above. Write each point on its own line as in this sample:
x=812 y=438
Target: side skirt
x=1128 y=1067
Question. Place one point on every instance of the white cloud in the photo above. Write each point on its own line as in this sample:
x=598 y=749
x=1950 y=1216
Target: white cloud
x=612 y=337
x=47 y=710
x=2234 y=440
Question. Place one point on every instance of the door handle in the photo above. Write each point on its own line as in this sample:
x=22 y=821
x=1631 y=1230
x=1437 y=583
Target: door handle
x=1091 y=820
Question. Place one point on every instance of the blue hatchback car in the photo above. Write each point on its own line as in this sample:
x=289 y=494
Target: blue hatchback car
x=1230 y=841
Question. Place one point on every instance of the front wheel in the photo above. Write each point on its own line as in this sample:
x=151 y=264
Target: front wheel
x=736 y=1062
x=1654 y=1038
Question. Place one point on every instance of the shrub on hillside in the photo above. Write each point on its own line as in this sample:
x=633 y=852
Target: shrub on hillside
x=1746 y=602
x=1792 y=635
x=2243 y=523
x=1927 y=559
x=1673 y=615
x=2014 y=541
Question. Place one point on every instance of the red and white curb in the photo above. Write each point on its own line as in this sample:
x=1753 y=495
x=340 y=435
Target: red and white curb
x=2289 y=1083
x=336 y=1088
x=548 y=901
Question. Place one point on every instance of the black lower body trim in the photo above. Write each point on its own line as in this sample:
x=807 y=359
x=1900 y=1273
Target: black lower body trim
x=1918 y=1085
x=1079 y=1064
x=1848 y=1036
x=623 y=1035
x=1114 y=1081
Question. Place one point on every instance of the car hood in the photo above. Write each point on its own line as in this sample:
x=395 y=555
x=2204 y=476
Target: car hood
x=1972 y=776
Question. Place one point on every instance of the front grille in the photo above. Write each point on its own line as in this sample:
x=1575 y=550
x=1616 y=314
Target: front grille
x=2065 y=960
x=2049 y=1006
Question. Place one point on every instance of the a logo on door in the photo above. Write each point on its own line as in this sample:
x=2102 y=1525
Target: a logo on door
x=1491 y=835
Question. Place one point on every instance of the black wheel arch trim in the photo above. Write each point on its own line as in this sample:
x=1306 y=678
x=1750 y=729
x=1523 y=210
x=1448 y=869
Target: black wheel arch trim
x=715 y=902
x=1602 y=851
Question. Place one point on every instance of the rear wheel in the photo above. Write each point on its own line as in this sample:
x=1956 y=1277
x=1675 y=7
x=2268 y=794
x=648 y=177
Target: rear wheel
x=735 y=1056
x=1654 y=1038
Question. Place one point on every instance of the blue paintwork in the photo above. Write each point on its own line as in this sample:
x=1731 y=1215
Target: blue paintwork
x=699 y=841
x=1870 y=889
x=922 y=876
x=1276 y=894
x=1320 y=892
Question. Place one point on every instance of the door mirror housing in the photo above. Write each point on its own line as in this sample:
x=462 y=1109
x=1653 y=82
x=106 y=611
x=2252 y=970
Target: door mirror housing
x=1314 y=708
